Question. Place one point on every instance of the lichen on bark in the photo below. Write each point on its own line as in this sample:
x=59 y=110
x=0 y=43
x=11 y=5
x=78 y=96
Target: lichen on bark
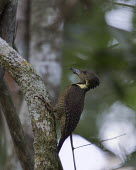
x=45 y=141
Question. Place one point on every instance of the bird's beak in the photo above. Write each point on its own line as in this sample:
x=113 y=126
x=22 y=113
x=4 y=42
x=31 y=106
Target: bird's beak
x=75 y=71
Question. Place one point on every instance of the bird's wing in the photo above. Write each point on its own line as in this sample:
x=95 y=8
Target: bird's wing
x=74 y=103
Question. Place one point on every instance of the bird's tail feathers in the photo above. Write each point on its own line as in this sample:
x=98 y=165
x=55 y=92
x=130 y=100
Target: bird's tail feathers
x=60 y=144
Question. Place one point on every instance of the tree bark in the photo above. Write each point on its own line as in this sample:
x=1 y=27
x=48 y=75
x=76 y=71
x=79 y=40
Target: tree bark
x=7 y=22
x=45 y=50
x=23 y=34
x=43 y=122
x=7 y=32
x=3 y=3
x=46 y=43
x=15 y=128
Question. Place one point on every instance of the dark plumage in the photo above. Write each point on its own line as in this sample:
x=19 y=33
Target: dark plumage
x=71 y=103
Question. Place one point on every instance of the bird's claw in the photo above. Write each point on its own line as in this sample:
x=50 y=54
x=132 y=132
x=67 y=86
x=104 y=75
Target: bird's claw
x=47 y=104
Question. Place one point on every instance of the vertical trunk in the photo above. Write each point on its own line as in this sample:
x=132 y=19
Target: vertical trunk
x=22 y=34
x=46 y=40
x=45 y=45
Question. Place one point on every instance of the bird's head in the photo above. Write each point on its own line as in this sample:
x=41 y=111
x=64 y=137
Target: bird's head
x=88 y=80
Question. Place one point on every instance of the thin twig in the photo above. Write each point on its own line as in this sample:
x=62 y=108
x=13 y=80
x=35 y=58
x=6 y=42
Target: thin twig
x=114 y=45
x=125 y=5
x=104 y=140
x=71 y=140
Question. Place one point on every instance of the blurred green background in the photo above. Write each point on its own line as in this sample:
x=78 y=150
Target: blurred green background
x=91 y=42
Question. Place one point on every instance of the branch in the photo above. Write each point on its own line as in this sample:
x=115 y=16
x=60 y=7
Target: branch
x=123 y=4
x=99 y=142
x=15 y=128
x=72 y=147
x=43 y=123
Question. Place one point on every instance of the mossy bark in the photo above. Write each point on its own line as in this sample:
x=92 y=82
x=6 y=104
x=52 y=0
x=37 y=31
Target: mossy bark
x=43 y=122
x=15 y=127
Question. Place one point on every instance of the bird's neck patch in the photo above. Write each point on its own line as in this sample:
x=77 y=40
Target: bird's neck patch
x=83 y=86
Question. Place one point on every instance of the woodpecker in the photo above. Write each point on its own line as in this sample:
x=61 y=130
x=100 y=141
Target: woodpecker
x=71 y=103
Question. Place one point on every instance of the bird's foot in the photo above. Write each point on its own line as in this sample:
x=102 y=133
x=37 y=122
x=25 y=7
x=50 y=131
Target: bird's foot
x=47 y=104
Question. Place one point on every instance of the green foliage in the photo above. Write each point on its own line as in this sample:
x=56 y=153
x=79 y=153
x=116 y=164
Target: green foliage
x=89 y=44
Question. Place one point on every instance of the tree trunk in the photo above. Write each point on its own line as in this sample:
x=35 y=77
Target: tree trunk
x=43 y=122
x=46 y=43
